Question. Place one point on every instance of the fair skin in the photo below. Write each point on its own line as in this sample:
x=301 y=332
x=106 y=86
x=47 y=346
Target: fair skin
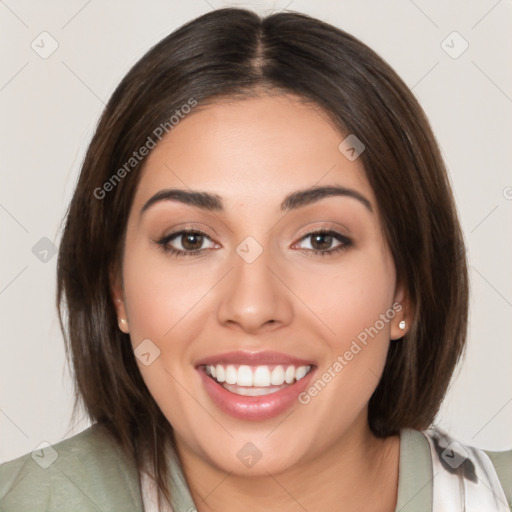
x=251 y=154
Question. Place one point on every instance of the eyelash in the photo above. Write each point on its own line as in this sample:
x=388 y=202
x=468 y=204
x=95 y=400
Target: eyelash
x=345 y=244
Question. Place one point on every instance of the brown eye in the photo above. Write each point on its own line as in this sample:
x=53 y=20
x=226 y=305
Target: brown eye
x=191 y=241
x=321 y=241
x=186 y=243
x=324 y=242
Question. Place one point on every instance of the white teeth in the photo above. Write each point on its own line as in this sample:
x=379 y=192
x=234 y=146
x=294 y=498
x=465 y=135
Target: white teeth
x=261 y=376
x=301 y=372
x=231 y=374
x=277 y=376
x=219 y=370
x=252 y=391
x=256 y=376
x=244 y=376
x=289 y=374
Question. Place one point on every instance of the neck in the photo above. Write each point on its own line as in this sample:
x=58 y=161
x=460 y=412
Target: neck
x=358 y=473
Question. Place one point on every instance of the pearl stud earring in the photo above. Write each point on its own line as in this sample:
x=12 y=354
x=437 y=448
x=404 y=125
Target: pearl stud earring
x=402 y=325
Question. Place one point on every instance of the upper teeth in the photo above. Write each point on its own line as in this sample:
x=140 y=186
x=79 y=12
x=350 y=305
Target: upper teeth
x=256 y=375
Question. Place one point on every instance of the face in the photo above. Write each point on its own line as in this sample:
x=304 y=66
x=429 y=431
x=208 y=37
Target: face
x=254 y=253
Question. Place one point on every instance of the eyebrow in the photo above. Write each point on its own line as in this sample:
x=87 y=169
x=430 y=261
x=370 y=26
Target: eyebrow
x=213 y=202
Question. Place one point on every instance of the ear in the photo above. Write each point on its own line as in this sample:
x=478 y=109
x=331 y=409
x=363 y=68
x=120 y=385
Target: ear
x=401 y=323
x=117 y=291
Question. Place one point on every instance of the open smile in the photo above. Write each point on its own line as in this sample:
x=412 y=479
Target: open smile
x=255 y=391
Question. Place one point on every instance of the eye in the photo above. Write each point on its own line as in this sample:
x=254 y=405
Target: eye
x=324 y=242
x=190 y=242
x=186 y=243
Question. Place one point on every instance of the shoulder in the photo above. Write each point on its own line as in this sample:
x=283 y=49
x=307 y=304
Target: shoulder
x=485 y=476
x=502 y=462
x=434 y=465
x=86 y=472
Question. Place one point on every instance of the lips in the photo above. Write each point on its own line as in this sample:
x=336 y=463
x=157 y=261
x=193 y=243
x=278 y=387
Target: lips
x=253 y=359
x=254 y=386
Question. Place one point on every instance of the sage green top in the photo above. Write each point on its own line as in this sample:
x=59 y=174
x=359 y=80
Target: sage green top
x=92 y=473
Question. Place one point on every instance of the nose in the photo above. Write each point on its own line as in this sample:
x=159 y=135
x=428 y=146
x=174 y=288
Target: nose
x=253 y=298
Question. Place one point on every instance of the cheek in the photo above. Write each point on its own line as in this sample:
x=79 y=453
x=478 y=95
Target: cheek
x=350 y=297
x=161 y=293
x=164 y=300
x=167 y=303
x=354 y=304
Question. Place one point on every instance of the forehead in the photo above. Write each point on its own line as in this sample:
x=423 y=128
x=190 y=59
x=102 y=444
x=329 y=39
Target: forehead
x=255 y=149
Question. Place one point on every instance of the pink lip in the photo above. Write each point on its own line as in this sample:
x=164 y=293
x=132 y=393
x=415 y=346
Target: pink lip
x=253 y=358
x=254 y=408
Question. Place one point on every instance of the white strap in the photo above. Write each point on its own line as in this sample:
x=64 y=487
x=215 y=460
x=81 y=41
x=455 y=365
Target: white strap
x=464 y=478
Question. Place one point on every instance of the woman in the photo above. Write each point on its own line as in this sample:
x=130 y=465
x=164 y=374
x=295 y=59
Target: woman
x=263 y=283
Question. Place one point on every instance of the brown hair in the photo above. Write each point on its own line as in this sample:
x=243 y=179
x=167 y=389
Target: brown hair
x=232 y=52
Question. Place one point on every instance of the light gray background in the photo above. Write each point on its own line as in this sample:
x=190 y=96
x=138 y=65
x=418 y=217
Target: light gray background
x=49 y=108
